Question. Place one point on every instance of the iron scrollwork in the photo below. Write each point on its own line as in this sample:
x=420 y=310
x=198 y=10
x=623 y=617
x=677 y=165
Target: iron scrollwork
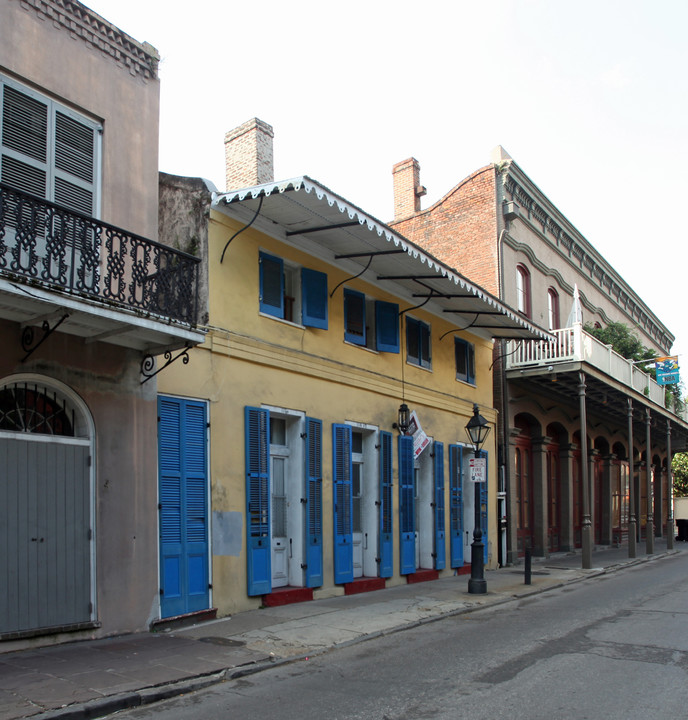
x=148 y=363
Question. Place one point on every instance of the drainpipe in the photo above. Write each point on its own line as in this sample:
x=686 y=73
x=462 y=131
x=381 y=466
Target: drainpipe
x=670 y=493
x=510 y=551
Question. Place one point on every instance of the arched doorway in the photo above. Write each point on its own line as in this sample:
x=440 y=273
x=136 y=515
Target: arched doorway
x=620 y=495
x=555 y=433
x=523 y=479
x=46 y=506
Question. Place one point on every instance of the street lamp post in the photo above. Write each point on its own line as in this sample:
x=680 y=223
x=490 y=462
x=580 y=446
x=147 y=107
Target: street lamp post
x=477 y=430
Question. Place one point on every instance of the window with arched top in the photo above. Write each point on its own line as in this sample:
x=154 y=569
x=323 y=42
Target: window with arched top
x=553 y=309
x=29 y=407
x=523 y=290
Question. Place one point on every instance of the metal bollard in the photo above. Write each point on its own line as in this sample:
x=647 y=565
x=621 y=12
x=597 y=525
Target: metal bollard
x=528 y=560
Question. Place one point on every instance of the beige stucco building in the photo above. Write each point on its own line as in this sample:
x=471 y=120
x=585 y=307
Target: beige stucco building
x=86 y=295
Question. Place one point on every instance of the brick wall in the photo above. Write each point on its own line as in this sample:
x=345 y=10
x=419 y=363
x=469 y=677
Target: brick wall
x=461 y=228
x=249 y=155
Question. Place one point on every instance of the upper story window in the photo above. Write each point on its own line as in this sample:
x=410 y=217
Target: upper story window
x=523 y=290
x=48 y=150
x=418 y=347
x=371 y=323
x=553 y=309
x=292 y=293
x=465 y=360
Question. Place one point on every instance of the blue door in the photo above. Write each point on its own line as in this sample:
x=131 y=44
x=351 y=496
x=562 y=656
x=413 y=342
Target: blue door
x=440 y=539
x=385 y=523
x=343 y=504
x=455 y=506
x=183 y=504
x=407 y=509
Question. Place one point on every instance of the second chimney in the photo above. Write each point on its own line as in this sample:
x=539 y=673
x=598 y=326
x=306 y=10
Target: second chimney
x=407 y=188
x=248 y=155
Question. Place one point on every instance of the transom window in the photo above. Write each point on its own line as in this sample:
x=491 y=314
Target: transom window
x=32 y=408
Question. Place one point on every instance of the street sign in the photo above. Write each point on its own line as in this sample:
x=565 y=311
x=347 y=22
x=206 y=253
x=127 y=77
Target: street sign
x=478 y=469
x=667 y=371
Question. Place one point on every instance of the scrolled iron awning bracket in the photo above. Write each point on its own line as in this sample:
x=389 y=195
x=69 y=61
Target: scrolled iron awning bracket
x=27 y=335
x=246 y=227
x=353 y=277
x=148 y=363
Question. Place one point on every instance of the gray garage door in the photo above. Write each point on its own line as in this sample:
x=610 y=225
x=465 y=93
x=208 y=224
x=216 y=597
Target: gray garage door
x=45 y=566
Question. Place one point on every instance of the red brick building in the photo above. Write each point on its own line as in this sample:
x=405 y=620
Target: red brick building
x=564 y=401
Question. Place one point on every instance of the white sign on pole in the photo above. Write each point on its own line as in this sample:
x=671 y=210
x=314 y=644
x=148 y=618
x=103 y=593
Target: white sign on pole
x=420 y=439
x=478 y=469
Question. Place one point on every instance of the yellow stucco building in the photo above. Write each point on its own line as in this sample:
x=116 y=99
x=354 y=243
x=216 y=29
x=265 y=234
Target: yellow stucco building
x=321 y=323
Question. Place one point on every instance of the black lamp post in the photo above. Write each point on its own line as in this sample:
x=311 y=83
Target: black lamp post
x=478 y=430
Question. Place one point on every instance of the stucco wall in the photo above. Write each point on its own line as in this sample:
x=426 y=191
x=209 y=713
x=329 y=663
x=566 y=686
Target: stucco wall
x=76 y=66
x=124 y=414
x=253 y=359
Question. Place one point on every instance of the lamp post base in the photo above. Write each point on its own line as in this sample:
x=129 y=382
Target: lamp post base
x=477 y=585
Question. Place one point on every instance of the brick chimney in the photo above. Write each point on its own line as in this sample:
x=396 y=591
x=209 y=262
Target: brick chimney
x=248 y=155
x=407 y=188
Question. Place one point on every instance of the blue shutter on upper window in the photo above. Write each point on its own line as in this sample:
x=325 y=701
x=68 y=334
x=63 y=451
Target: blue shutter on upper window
x=355 y=317
x=271 y=285
x=257 y=423
x=386 y=549
x=407 y=513
x=314 y=548
x=343 y=504
x=313 y=298
x=455 y=506
x=440 y=540
x=387 y=326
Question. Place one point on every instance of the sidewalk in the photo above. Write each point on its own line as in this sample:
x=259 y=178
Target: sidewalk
x=94 y=678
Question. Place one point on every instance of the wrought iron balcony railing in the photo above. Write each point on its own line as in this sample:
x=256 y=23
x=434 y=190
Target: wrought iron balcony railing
x=49 y=245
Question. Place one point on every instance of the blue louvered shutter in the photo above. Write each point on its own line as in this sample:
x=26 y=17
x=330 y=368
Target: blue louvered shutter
x=343 y=504
x=183 y=503
x=387 y=326
x=257 y=423
x=271 y=285
x=196 y=504
x=386 y=543
x=440 y=538
x=407 y=513
x=314 y=546
x=483 y=504
x=313 y=298
x=455 y=506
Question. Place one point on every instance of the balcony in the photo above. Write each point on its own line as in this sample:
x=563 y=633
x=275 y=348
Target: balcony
x=106 y=283
x=574 y=349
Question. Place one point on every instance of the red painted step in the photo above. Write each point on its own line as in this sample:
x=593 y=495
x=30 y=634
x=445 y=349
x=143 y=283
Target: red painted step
x=287 y=596
x=364 y=584
x=422 y=576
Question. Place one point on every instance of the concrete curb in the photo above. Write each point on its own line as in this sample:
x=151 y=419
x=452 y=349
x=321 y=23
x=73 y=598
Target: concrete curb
x=147 y=696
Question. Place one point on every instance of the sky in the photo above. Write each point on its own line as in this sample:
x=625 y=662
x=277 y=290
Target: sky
x=590 y=99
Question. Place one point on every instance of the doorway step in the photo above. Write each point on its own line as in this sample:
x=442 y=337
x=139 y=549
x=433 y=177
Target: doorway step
x=181 y=621
x=287 y=595
x=364 y=584
x=422 y=576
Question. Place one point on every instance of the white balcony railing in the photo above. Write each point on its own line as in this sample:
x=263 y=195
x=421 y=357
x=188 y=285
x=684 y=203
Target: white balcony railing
x=575 y=345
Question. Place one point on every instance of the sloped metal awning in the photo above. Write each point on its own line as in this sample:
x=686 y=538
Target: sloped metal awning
x=303 y=207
